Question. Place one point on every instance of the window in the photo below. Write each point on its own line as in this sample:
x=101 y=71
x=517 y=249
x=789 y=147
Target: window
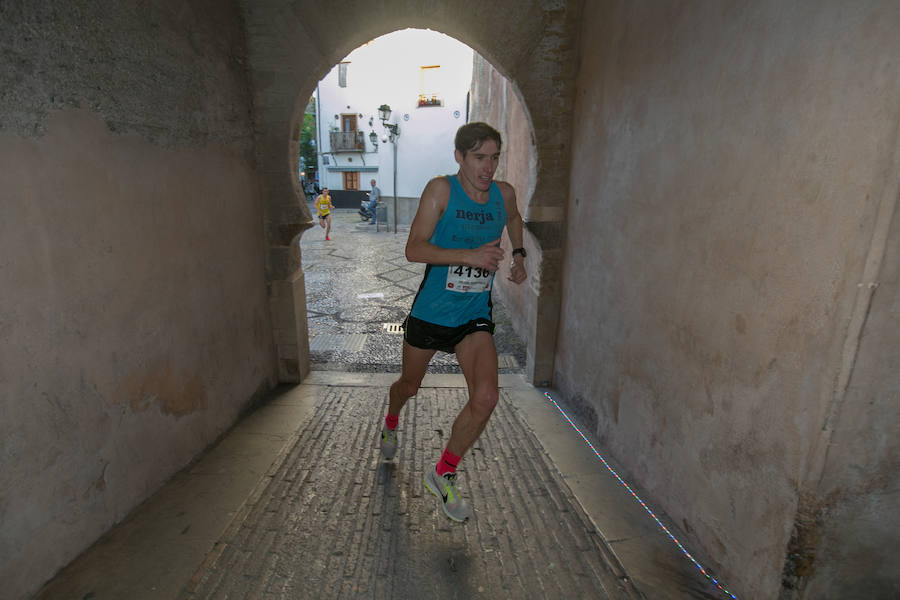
x=342 y=74
x=351 y=180
x=429 y=86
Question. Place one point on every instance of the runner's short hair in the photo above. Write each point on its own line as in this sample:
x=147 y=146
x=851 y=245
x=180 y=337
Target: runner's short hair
x=472 y=135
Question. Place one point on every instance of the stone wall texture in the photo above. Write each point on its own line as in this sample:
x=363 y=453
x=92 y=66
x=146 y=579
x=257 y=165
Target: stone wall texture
x=134 y=320
x=730 y=267
x=494 y=101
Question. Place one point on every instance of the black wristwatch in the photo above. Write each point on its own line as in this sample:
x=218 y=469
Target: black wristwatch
x=519 y=251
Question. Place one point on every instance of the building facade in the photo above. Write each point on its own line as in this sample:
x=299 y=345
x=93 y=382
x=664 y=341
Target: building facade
x=424 y=77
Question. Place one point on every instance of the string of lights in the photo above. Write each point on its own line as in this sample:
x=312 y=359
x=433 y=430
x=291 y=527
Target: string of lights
x=664 y=529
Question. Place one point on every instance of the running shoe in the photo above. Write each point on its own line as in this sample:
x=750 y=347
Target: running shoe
x=444 y=487
x=388 y=443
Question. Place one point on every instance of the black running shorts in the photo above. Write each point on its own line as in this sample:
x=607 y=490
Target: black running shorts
x=429 y=336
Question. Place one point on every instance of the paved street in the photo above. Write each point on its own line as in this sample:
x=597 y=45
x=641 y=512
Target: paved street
x=335 y=521
x=296 y=501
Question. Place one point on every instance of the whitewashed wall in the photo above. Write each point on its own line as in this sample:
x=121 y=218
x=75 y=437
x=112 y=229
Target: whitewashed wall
x=387 y=70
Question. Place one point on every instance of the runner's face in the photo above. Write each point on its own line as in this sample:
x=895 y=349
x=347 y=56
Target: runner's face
x=478 y=166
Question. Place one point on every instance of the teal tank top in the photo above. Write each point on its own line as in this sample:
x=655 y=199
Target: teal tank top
x=456 y=294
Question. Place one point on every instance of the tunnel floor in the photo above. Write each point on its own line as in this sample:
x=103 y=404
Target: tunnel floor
x=296 y=501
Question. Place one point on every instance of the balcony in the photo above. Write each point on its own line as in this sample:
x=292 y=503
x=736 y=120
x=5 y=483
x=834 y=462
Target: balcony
x=348 y=141
x=429 y=100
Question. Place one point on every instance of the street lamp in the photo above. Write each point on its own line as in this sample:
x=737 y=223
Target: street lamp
x=384 y=113
x=373 y=137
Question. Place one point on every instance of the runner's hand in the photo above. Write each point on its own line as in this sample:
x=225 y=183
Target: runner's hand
x=487 y=256
x=517 y=272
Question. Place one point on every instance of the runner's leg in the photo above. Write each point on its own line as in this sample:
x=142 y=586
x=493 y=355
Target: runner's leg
x=415 y=363
x=477 y=357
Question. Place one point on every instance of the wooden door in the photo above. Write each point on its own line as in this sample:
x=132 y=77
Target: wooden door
x=351 y=180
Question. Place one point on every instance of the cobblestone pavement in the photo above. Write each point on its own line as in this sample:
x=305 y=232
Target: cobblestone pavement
x=295 y=501
x=332 y=520
x=360 y=287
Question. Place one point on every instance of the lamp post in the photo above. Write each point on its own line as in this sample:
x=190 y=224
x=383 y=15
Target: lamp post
x=384 y=113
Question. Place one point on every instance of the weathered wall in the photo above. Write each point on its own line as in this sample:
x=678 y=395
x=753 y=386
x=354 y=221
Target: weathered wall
x=731 y=165
x=852 y=539
x=494 y=101
x=134 y=321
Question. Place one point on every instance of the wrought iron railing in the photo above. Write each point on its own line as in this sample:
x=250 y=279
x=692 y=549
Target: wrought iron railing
x=348 y=141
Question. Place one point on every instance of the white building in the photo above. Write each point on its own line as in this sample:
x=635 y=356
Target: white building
x=424 y=76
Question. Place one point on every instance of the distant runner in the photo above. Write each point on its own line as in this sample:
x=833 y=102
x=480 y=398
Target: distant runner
x=323 y=210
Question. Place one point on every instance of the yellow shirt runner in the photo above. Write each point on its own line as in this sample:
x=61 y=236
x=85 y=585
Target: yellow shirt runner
x=323 y=205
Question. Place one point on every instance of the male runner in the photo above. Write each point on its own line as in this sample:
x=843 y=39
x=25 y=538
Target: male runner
x=456 y=232
x=324 y=209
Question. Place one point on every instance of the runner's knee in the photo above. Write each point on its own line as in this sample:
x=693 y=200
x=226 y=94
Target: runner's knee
x=406 y=387
x=483 y=401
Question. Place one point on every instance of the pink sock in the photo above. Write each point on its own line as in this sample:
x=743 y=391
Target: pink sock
x=391 y=421
x=448 y=463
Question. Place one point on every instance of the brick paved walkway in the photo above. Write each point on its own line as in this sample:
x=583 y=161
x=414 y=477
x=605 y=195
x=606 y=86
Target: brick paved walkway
x=295 y=502
x=332 y=520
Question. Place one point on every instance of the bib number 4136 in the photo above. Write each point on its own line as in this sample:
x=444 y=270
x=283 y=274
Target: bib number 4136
x=468 y=279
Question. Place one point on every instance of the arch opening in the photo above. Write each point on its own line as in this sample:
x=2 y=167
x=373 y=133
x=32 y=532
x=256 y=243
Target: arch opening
x=433 y=84
x=532 y=46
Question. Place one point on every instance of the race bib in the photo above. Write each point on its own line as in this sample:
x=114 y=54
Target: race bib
x=468 y=279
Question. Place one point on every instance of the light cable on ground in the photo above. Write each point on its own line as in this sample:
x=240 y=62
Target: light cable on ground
x=650 y=512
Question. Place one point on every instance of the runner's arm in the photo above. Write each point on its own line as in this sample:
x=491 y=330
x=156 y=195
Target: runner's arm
x=517 y=273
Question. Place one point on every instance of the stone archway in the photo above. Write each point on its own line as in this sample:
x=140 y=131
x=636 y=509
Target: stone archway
x=292 y=45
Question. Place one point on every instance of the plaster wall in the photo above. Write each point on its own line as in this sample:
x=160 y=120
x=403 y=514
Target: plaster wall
x=494 y=101
x=387 y=70
x=134 y=319
x=849 y=537
x=730 y=168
